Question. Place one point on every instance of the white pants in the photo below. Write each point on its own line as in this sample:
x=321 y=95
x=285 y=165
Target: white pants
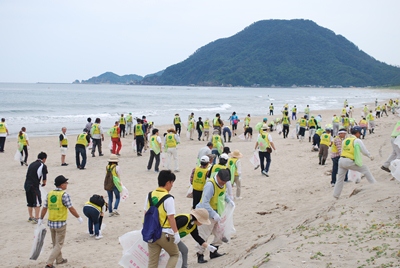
x=205 y=231
x=346 y=164
x=172 y=153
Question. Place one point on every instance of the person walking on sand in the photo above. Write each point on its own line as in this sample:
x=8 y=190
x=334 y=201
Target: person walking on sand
x=138 y=135
x=198 y=179
x=351 y=159
x=218 y=123
x=336 y=152
x=170 y=234
x=265 y=145
x=199 y=128
x=58 y=202
x=235 y=168
x=96 y=132
x=217 y=142
x=155 y=150
x=395 y=148
x=325 y=143
x=234 y=120
x=37 y=171
x=312 y=125
x=115 y=187
x=63 y=145
x=122 y=124
x=171 y=141
x=177 y=123
x=82 y=142
x=271 y=109
x=206 y=133
x=3 y=134
x=23 y=143
x=302 y=127
x=115 y=133
x=286 y=124
x=129 y=123
x=89 y=124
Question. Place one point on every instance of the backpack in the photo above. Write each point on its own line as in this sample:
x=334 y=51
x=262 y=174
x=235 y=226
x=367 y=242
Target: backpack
x=152 y=228
x=108 y=180
x=97 y=200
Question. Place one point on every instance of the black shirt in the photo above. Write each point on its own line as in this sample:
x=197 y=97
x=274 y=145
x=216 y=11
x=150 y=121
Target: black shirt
x=182 y=221
x=36 y=171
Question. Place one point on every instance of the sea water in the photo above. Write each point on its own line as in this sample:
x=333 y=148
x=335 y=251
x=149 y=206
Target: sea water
x=45 y=108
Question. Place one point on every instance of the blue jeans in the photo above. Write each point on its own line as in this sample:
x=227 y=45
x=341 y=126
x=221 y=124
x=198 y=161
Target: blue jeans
x=267 y=157
x=111 y=197
x=93 y=216
x=80 y=151
x=215 y=152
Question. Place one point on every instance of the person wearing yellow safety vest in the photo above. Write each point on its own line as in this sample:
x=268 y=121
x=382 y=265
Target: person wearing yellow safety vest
x=395 y=148
x=94 y=211
x=302 y=127
x=378 y=111
x=271 y=109
x=198 y=179
x=191 y=127
x=324 y=144
x=187 y=224
x=307 y=111
x=286 y=124
x=171 y=141
x=365 y=111
x=312 y=126
x=235 y=166
x=117 y=187
x=218 y=144
x=129 y=124
x=218 y=123
x=351 y=159
x=82 y=141
x=3 y=134
x=213 y=200
x=155 y=150
x=115 y=133
x=122 y=123
x=96 y=133
x=58 y=202
x=23 y=143
x=138 y=135
x=384 y=109
x=364 y=126
x=335 y=124
x=294 y=113
x=265 y=145
x=206 y=130
x=335 y=156
x=63 y=145
x=371 y=122
x=170 y=233
x=177 y=123
x=345 y=122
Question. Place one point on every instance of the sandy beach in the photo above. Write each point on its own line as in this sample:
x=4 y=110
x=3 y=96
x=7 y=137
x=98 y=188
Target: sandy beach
x=289 y=219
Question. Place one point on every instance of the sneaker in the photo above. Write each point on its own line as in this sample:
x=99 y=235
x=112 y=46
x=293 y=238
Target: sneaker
x=110 y=214
x=101 y=154
x=116 y=212
x=256 y=167
x=265 y=173
x=332 y=184
x=98 y=237
x=64 y=164
x=30 y=219
x=91 y=235
x=93 y=155
x=238 y=197
x=385 y=169
x=34 y=220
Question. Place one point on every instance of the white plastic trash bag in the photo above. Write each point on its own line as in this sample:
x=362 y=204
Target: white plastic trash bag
x=242 y=137
x=189 y=193
x=255 y=159
x=395 y=168
x=134 y=146
x=18 y=156
x=38 y=239
x=124 y=194
x=354 y=176
x=397 y=141
x=136 y=254
x=163 y=157
x=279 y=129
x=225 y=228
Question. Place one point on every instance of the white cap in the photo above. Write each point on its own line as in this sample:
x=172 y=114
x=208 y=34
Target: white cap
x=224 y=156
x=205 y=158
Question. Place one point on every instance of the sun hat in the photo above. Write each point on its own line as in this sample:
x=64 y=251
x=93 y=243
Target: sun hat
x=205 y=158
x=171 y=130
x=113 y=158
x=201 y=215
x=236 y=154
x=265 y=126
x=60 y=180
x=224 y=175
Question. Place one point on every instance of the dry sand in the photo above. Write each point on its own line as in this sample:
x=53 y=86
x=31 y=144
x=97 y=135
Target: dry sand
x=287 y=220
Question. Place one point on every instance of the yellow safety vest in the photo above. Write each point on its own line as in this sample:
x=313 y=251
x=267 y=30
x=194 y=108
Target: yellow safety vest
x=95 y=129
x=336 y=119
x=139 y=130
x=177 y=120
x=303 y=122
x=185 y=230
x=216 y=168
x=93 y=205
x=271 y=107
x=285 y=120
x=218 y=197
x=311 y=122
x=129 y=118
x=171 y=141
x=326 y=139
x=346 y=122
x=232 y=162
x=22 y=139
x=215 y=140
x=64 y=142
x=57 y=210
x=82 y=139
x=216 y=122
x=156 y=195
x=206 y=125
x=114 y=132
x=3 y=128
x=334 y=148
x=122 y=121
x=199 y=178
x=263 y=141
x=348 y=148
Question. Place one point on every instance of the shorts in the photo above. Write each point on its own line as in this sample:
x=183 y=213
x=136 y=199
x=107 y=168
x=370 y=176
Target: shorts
x=33 y=197
x=234 y=126
x=248 y=130
x=63 y=150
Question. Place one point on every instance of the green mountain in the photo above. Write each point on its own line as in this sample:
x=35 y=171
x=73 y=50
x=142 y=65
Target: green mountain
x=280 y=53
x=112 y=78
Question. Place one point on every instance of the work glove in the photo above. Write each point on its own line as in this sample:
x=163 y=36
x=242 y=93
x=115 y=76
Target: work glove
x=177 y=238
x=211 y=248
x=80 y=219
x=232 y=203
x=372 y=158
x=216 y=217
x=276 y=151
x=39 y=222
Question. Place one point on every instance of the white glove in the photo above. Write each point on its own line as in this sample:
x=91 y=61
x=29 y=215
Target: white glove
x=177 y=238
x=80 y=219
x=232 y=203
x=276 y=151
x=372 y=158
x=216 y=217
x=39 y=222
x=211 y=248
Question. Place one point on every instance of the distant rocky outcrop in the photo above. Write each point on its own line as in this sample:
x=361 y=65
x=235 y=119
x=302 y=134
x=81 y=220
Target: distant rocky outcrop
x=112 y=78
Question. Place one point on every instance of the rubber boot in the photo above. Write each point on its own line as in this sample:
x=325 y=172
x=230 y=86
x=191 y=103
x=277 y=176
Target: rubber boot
x=215 y=254
x=200 y=258
x=309 y=139
x=320 y=159
x=323 y=161
x=229 y=139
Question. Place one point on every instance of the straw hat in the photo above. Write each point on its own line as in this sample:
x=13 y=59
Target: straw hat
x=171 y=130
x=113 y=158
x=201 y=215
x=236 y=154
x=265 y=126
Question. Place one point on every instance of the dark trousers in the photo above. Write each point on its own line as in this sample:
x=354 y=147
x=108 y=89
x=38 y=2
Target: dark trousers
x=2 y=142
x=267 y=157
x=24 y=150
x=271 y=112
x=93 y=216
x=122 y=130
x=152 y=156
x=335 y=168
x=96 y=142
x=196 y=197
x=285 y=131
x=80 y=151
x=139 y=143
x=178 y=128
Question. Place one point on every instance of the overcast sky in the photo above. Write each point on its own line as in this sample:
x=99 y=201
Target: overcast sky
x=60 y=41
